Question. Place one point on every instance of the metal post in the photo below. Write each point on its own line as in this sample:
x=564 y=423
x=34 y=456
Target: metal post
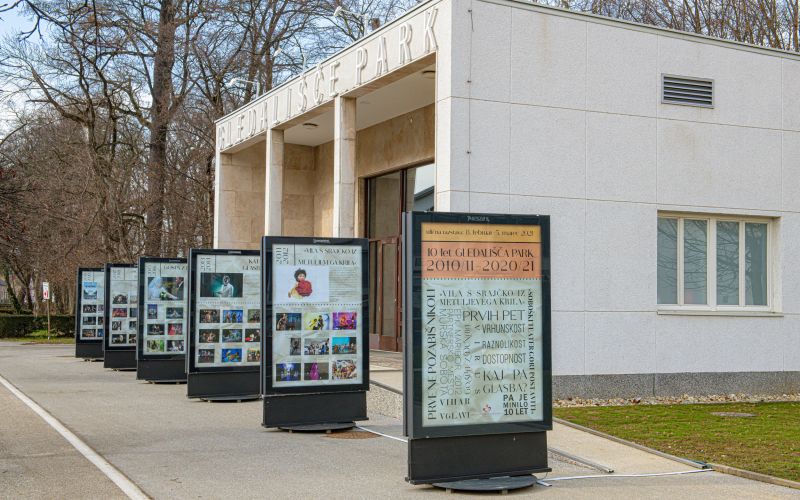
x=48 y=319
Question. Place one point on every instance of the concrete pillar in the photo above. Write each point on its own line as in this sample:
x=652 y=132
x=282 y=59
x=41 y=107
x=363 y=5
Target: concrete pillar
x=344 y=167
x=273 y=189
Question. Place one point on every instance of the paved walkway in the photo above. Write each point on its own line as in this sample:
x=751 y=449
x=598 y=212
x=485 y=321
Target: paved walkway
x=172 y=447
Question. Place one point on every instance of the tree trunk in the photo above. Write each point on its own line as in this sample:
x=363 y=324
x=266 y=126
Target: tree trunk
x=160 y=117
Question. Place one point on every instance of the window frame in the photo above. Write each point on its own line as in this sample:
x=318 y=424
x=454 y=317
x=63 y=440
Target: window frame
x=711 y=264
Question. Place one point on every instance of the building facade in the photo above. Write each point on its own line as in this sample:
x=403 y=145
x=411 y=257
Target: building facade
x=668 y=162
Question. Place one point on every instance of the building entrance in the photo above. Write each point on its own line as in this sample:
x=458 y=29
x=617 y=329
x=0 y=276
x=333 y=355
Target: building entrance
x=388 y=196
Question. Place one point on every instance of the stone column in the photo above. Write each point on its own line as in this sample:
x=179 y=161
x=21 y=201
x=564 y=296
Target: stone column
x=344 y=167
x=273 y=189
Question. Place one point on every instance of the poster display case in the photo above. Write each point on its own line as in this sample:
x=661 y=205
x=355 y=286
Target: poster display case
x=121 y=316
x=90 y=313
x=316 y=364
x=224 y=355
x=163 y=319
x=477 y=334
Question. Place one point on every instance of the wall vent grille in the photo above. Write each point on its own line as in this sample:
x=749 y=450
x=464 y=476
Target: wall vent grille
x=687 y=91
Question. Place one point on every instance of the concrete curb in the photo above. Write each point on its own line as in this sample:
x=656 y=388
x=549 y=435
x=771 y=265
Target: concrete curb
x=755 y=476
x=685 y=461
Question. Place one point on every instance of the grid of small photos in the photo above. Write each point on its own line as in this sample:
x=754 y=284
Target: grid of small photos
x=316 y=347
x=92 y=299
x=165 y=312
x=124 y=305
x=233 y=332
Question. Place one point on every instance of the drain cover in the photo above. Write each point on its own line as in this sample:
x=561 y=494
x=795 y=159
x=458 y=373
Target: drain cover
x=732 y=414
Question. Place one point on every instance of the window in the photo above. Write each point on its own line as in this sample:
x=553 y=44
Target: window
x=713 y=262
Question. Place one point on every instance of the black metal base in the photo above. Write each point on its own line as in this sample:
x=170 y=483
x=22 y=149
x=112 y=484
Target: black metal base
x=120 y=360
x=232 y=399
x=89 y=351
x=289 y=410
x=500 y=484
x=447 y=459
x=326 y=427
x=161 y=370
x=223 y=386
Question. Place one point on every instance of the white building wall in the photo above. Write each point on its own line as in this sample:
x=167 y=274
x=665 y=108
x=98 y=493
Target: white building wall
x=543 y=111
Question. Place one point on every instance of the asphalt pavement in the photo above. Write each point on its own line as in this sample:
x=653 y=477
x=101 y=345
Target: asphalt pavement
x=173 y=447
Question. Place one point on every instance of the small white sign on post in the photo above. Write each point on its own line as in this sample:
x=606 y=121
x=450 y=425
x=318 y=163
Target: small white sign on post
x=46 y=290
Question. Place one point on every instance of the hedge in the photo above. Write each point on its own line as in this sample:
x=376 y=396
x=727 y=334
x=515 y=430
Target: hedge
x=17 y=325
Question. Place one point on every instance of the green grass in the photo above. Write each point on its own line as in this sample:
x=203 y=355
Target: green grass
x=40 y=337
x=768 y=443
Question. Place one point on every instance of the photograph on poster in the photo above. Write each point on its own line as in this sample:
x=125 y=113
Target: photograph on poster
x=344 y=320
x=205 y=355
x=221 y=285
x=133 y=312
x=118 y=338
x=209 y=316
x=175 y=346
x=175 y=329
x=132 y=338
x=344 y=369
x=289 y=322
x=101 y=320
x=232 y=315
x=316 y=370
x=288 y=372
x=89 y=290
x=254 y=315
x=209 y=336
x=100 y=332
x=101 y=308
x=152 y=311
x=316 y=347
x=230 y=335
x=116 y=325
x=155 y=345
x=252 y=335
x=133 y=299
x=165 y=288
x=119 y=312
x=253 y=354
x=301 y=284
x=174 y=312
x=343 y=345
x=132 y=324
x=155 y=329
x=89 y=333
x=90 y=320
x=316 y=321
x=231 y=355
x=90 y=308
x=295 y=346
x=120 y=298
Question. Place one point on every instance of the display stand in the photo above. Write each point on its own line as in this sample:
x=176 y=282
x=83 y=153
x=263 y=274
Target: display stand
x=476 y=299
x=89 y=303
x=163 y=320
x=315 y=372
x=121 y=315
x=221 y=364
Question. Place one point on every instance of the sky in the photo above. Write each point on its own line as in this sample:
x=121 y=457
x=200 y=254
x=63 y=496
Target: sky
x=11 y=23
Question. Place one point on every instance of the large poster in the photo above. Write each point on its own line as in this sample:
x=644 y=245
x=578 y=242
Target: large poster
x=227 y=311
x=481 y=309
x=92 y=297
x=123 y=304
x=164 y=308
x=317 y=315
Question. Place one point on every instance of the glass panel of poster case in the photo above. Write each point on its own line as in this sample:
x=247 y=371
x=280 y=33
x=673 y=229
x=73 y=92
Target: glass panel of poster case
x=90 y=313
x=477 y=342
x=122 y=316
x=316 y=296
x=163 y=319
x=225 y=341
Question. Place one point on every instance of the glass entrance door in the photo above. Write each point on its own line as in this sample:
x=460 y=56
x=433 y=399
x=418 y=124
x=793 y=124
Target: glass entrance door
x=388 y=196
